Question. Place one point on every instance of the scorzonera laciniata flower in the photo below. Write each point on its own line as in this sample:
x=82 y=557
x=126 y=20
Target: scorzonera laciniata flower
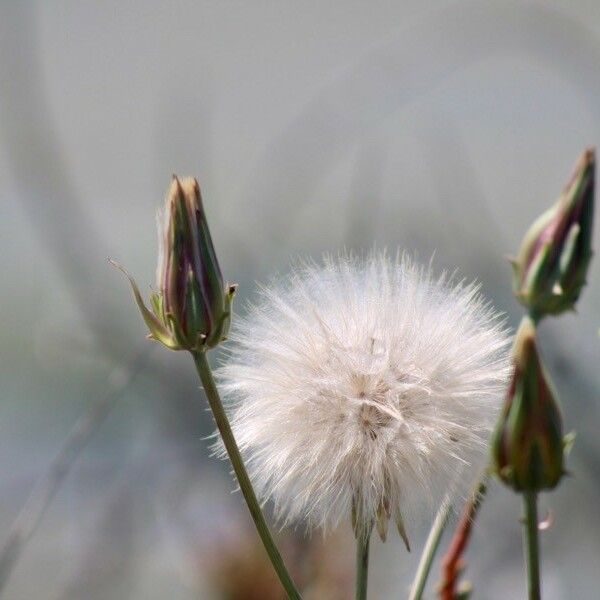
x=191 y=307
x=364 y=387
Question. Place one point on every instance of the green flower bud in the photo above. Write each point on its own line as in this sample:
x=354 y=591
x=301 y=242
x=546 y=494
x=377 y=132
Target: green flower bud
x=550 y=269
x=528 y=446
x=192 y=308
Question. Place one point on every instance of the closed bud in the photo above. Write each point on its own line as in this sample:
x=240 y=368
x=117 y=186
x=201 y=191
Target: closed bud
x=550 y=269
x=191 y=309
x=528 y=446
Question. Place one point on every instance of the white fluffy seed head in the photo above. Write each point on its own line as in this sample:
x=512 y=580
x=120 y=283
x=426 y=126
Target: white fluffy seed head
x=366 y=387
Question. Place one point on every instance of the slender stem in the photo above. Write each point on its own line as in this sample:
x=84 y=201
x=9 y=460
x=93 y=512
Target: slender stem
x=431 y=546
x=453 y=562
x=531 y=545
x=362 y=563
x=242 y=476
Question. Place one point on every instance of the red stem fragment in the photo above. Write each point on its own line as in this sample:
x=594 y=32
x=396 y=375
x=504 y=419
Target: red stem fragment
x=453 y=562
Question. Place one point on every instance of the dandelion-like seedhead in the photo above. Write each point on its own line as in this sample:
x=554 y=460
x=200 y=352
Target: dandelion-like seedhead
x=365 y=387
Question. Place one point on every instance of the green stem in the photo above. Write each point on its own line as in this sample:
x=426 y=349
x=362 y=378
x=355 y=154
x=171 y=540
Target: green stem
x=531 y=545
x=242 y=476
x=362 y=563
x=431 y=546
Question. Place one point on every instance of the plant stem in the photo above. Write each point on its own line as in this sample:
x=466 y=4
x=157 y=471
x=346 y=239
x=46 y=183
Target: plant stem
x=242 y=476
x=362 y=563
x=453 y=562
x=431 y=546
x=531 y=545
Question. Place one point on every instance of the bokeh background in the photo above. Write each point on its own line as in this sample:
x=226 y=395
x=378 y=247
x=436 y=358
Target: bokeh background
x=440 y=127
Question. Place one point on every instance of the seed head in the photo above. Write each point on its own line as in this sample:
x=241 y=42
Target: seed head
x=364 y=388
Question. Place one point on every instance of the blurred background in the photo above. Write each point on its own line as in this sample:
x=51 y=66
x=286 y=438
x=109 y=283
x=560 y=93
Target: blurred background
x=441 y=128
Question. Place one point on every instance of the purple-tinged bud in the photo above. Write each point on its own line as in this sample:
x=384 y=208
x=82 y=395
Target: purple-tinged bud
x=528 y=446
x=550 y=269
x=192 y=308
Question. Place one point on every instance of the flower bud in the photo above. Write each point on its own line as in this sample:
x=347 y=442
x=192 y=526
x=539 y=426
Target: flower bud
x=528 y=446
x=550 y=269
x=192 y=308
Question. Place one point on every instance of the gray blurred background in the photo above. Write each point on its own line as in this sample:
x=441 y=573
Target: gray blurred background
x=439 y=127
